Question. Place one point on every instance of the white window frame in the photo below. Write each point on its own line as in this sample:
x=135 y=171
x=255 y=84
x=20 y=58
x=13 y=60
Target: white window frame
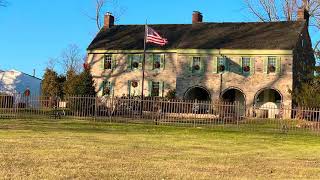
x=108 y=58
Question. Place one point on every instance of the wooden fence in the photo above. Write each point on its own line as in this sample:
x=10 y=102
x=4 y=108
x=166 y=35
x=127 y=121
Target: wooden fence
x=162 y=112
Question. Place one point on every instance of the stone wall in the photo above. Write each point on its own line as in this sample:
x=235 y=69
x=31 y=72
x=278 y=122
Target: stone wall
x=121 y=74
x=250 y=85
x=177 y=75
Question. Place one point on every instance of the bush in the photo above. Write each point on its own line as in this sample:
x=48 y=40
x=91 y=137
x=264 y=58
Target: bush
x=171 y=94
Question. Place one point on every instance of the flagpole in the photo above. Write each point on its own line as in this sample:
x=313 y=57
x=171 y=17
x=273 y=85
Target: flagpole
x=144 y=59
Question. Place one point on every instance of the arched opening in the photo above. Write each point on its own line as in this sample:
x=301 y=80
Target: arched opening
x=268 y=101
x=197 y=93
x=233 y=95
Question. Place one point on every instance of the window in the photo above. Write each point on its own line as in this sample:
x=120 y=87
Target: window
x=134 y=88
x=155 y=89
x=246 y=68
x=136 y=61
x=196 y=64
x=156 y=61
x=272 y=64
x=221 y=64
x=108 y=62
x=107 y=88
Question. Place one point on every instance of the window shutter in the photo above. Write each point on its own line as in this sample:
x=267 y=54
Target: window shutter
x=252 y=66
x=101 y=88
x=215 y=64
x=140 y=61
x=114 y=61
x=150 y=88
x=149 y=62
x=265 y=65
x=161 y=89
x=163 y=61
x=203 y=65
x=226 y=63
x=278 y=65
x=190 y=64
x=129 y=67
x=240 y=66
x=102 y=62
x=138 y=89
x=112 y=86
x=129 y=88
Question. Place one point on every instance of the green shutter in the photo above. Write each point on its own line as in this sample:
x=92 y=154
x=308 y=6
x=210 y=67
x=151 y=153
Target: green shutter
x=190 y=64
x=150 y=88
x=112 y=86
x=226 y=64
x=163 y=61
x=129 y=88
x=139 y=88
x=240 y=66
x=161 y=89
x=101 y=88
x=215 y=65
x=252 y=66
x=265 y=65
x=140 y=60
x=114 y=61
x=278 y=65
x=102 y=63
x=149 y=62
x=129 y=67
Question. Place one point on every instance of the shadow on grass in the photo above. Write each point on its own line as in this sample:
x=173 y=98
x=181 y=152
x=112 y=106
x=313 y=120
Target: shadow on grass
x=93 y=127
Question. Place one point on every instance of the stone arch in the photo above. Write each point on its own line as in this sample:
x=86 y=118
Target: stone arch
x=278 y=98
x=234 y=94
x=197 y=93
x=268 y=100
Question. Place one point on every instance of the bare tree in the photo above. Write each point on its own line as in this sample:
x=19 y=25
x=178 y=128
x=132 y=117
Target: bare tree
x=71 y=59
x=51 y=63
x=277 y=10
x=103 y=6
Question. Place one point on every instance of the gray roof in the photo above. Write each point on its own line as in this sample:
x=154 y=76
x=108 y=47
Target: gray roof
x=251 y=35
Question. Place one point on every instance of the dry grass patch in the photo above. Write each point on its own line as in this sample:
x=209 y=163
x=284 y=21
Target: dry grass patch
x=87 y=150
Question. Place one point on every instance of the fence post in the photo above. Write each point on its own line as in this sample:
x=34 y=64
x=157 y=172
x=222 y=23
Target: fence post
x=195 y=110
x=95 y=108
x=238 y=113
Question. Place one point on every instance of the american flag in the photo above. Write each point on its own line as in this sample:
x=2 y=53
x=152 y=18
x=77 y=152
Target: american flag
x=153 y=37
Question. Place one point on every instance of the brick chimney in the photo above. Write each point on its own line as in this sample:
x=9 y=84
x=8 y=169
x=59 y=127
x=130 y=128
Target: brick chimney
x=108 y=20
x=197 y=17
x=303 y=12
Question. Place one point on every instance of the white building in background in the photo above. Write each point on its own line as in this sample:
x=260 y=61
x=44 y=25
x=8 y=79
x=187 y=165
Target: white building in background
x=16 y=82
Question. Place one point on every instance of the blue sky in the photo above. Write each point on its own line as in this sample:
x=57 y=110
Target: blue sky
x=32 y=31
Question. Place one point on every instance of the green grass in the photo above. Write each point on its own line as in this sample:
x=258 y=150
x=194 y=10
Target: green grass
x=51 y=149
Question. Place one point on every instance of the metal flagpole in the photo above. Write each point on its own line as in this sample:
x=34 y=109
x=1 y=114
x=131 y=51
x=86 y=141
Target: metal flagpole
x=144 y=63
x=144 y=58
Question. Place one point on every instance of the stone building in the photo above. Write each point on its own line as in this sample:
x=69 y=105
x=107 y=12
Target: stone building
x=255 y=63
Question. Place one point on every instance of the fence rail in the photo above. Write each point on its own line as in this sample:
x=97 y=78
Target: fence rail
x=162 y=112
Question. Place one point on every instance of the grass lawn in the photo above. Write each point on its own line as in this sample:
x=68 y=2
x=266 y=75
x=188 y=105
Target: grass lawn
x=92 y=150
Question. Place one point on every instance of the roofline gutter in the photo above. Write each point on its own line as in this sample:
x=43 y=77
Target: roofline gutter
x=200 y=51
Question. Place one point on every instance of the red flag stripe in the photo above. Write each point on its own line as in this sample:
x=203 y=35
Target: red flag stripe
x=154 y=37
x=157 y=39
